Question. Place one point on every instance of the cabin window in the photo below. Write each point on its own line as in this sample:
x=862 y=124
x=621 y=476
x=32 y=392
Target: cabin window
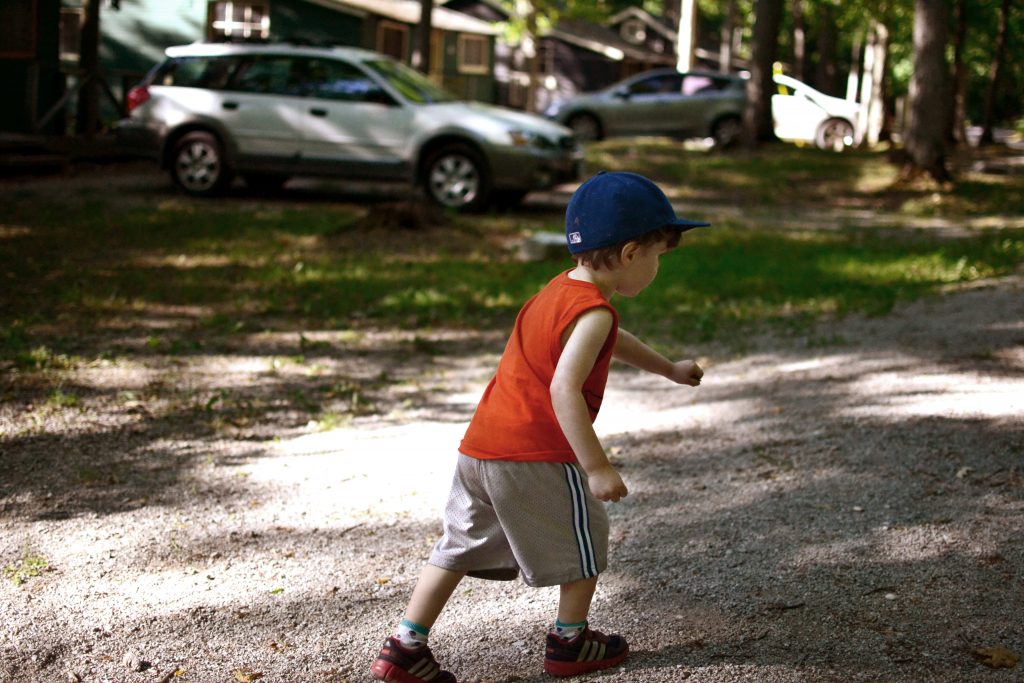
x=70 y=33
x=393 y=40
x=474 y=57
x=18 y=30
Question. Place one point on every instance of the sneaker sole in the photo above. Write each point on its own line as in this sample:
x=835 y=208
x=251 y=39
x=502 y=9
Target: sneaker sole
x=576 y=668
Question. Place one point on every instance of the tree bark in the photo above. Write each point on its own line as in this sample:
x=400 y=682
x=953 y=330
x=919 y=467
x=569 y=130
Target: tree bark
x=825 y=74
x=757 y=116
x=872 y=92
x=87 y=119
x=686 y=38
x=726 y=38
x=421 y=55
x=928 y=98
x=799 y=41
x=995 y=75
x=957 y=132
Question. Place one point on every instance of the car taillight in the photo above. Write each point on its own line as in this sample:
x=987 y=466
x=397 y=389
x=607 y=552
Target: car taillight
x=137 y=96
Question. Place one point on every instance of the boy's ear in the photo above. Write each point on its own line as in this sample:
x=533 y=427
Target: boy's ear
x=628 y=252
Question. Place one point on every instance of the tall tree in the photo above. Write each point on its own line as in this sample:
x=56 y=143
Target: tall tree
x=995 y=74
x=421 y=53
x=928 y=100
x=726 y=37
x=872 y=91
x=957 y=115
x=88 y=115
x=757 y=116
x=825 y=74
x=799 y=40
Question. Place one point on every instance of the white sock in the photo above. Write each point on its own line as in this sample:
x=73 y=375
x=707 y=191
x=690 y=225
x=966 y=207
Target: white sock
x=411 y=635
x=568 y=631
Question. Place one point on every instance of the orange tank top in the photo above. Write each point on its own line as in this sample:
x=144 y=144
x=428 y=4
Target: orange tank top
x=515 y=419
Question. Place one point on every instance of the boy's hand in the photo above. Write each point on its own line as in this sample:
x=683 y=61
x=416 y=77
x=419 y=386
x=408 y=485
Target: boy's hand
x=606 y=484
x=686 y=372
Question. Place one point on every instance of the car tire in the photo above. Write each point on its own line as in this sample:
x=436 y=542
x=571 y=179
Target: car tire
x=198 y=166
x=456 y=177
x=726 y=132
x=585 y=127
x=265 y=182
x=835 y=135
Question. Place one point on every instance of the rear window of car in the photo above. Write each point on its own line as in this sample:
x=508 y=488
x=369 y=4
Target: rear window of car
x=196 y=72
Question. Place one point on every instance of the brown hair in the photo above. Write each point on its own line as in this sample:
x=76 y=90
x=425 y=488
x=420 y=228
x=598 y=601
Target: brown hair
x=606 y=257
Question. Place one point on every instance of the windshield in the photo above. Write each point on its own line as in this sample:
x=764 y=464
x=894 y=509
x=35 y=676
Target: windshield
x=410 y=83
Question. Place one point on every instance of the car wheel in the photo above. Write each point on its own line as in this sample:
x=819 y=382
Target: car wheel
x=265 y=182
x=834 y=134
x=456 y=177
x=585 y=127
x=198 y=165
x=726 y=132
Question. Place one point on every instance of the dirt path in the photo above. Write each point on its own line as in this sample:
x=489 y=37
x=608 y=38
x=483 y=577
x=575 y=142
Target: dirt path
x=843 y=506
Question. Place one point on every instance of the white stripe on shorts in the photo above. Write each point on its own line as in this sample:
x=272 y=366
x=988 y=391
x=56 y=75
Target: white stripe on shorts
x=581 y=521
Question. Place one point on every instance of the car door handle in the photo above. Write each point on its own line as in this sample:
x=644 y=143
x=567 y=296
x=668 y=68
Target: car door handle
x=318 y=112
x=230 y=105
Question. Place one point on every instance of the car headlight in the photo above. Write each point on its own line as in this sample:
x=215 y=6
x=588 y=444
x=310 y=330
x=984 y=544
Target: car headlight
x=526 y=138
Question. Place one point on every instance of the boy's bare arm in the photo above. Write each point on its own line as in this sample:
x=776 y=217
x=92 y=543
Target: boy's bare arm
x=632 y=351
x=574 y=365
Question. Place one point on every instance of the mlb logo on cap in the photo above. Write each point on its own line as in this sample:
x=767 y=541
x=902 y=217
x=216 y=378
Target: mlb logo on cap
x=575 y=238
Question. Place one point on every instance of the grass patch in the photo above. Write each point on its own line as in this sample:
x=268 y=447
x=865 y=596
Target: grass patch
x=187 y=275
x=29 y=565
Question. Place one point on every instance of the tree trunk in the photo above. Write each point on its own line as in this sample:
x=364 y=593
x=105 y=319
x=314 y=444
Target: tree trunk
x=421 y=53
x=957 y=132
x=928 y=98
x=825 y=74
x=872 y=109
x=726 y=38
x=853 y=80
x=88 y=114
x=995 y=74
x=757 y=116
x=799 y=41
x=687 y=35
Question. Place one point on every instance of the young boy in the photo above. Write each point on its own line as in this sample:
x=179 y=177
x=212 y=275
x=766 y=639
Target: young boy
x=531 y=469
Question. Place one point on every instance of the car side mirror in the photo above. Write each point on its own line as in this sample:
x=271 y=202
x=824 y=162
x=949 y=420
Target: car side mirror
x=622 y=93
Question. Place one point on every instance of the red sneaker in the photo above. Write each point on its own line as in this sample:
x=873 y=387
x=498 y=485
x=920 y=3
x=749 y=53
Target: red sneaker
x=589 y=651
x=405 y=665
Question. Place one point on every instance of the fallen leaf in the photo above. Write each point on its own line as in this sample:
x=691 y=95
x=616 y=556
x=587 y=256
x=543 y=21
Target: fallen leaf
x=246 y=675
x=996 y=657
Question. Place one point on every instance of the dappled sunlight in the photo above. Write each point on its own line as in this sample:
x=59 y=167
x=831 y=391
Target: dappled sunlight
x=369 y=473
x=938 y=394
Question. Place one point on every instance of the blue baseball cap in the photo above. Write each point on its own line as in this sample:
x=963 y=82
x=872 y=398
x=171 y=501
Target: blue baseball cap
x=614 y=207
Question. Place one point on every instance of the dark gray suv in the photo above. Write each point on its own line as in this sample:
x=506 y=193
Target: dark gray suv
x=271 y=112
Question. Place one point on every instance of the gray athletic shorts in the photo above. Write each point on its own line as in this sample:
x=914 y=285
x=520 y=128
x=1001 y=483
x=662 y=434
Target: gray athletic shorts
x=540 y=518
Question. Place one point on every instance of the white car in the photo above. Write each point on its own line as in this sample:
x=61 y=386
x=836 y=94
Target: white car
x=804 y=114
x=270 y=112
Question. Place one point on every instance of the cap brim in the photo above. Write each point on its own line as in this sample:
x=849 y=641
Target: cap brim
x=684 y=224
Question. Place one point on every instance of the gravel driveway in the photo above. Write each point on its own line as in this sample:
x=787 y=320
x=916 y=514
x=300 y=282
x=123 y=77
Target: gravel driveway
x=843 y=506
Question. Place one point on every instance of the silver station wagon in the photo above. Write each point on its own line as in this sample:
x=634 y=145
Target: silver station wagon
x=272 y=112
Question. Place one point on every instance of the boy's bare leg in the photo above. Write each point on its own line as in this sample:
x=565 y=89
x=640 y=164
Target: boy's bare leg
x=432 y=591
x=574 y=600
